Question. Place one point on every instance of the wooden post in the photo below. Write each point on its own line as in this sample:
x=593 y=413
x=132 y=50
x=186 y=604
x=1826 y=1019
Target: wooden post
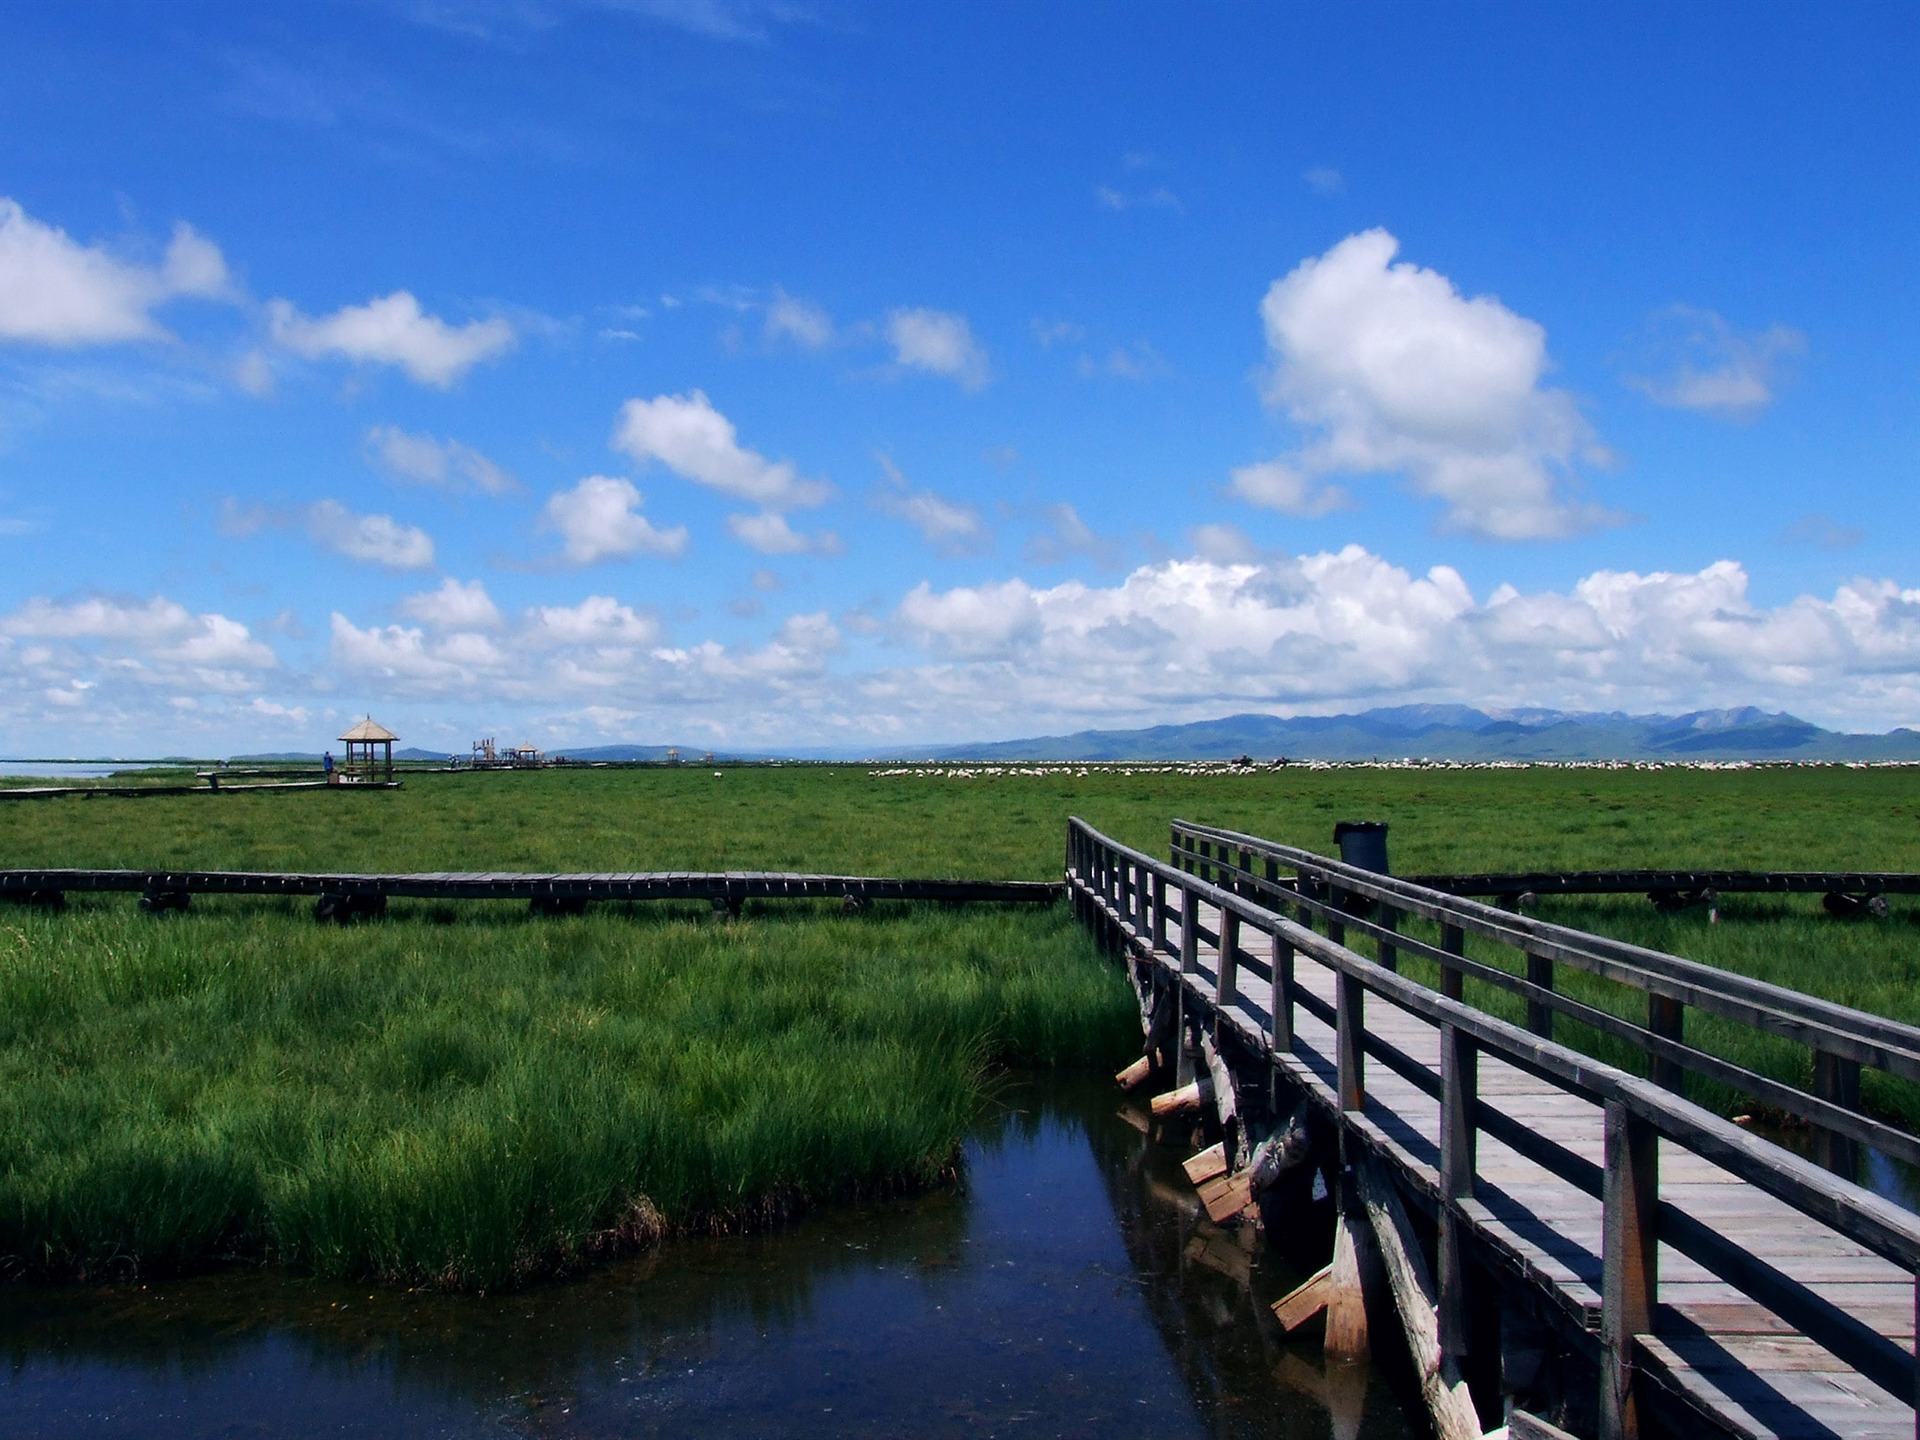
x=1350 y=1028
x=1453 y=940
x=1388 y=956
x=1159 y=927
x=1229 y=977
x=1539 y=1012
x=1667 y=1018
x=1346 y=1334
x=1336 y=928
x=1629 y=1262
x=1282 y=994
x=1459 y=1092
x=1836 y=1079
x=1142 y=901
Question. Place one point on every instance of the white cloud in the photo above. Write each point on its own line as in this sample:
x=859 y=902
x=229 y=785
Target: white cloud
x=598 y=520
x=456 y=605
x=598 y=620
x=1708 y=366
x=950 y=527
x=1223 y=544
x=801 y=321
x=770 y=534
x=695 y=441
x=55 y=291
x=1276 y=485
x=1158 y=198
x=1067 y=535
x=940 y=343
x=971 y=620
x=1324 y=180
x=443 y=464
x=393 y=330
x=1389 y=368
x=375 y=539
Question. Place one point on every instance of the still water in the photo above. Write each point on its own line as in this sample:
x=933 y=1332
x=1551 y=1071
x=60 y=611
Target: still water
x=74 y=769
x=1065 y=1287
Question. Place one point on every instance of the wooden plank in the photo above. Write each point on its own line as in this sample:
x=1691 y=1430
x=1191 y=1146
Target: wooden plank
x=1306 y=1301
x=1207 y=1164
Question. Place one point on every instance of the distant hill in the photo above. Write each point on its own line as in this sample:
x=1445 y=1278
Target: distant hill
x=1459 y=732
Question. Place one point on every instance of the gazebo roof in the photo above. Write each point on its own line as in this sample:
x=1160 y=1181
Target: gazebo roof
x=369 y=729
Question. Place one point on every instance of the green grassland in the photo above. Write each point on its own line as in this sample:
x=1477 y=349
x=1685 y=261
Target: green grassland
x=470 y=1095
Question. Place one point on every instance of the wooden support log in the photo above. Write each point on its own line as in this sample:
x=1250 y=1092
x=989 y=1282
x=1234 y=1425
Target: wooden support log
x=1340 y=1390
x=558 y=905
x=1346 y=1337
x=1187 y=1097
x=1305 y=1302
x=1136 y=1074
x=1523 y=1426
x=158 y=902
x=1448 y=1402
x=1853 y=907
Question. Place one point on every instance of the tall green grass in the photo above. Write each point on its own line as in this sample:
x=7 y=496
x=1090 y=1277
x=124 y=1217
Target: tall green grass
x=471 y=1098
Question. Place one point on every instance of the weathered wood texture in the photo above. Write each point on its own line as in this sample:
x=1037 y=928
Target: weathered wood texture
x=1720 y=1273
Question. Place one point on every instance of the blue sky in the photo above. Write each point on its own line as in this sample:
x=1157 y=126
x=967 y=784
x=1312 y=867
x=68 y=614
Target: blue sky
x=838 y=375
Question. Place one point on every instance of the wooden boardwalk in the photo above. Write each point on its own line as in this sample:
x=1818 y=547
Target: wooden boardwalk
x=1533 y=1188
x=730 y=887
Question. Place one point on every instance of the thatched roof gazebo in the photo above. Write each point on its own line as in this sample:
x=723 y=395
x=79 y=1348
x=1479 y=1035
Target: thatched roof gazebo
x=360 y=762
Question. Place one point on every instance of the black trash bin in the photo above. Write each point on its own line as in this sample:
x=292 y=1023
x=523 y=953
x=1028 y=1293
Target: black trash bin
x=1363 y=844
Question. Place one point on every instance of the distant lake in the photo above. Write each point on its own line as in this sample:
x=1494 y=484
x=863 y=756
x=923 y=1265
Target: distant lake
x=74 y=769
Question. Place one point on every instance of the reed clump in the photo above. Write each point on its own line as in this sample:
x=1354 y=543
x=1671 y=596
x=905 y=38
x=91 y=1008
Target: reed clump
x=472 y=1098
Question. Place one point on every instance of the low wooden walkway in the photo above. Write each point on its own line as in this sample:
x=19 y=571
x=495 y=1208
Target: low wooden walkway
x=1543 y=1158
x=730 y=887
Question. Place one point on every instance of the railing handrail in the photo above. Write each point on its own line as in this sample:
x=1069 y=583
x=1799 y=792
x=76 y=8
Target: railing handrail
x=1883 y=1227
x=1875 y=1040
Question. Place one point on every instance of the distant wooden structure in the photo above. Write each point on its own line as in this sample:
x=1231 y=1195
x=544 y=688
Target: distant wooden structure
x=362 y=764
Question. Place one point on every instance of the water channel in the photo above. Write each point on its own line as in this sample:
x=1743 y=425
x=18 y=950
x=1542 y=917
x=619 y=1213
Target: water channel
x=1065 y=1287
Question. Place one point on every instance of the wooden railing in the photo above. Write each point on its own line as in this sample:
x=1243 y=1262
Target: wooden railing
x=1156 y=909
x=1346 y=900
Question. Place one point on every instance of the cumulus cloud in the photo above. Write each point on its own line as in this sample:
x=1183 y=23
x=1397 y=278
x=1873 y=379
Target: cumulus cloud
x=1702 y=363
x=56 y=291
x=373 y=539
x=1276 y=485
x=799 y=321
x=443 y=464
x=940 y=343
x=1388 y=368
x=106 y=662
x=599 y=519
x=947 y=525
x=1347 y=629
x=770 y=534
x=456 y=605
x=695 y=441
x=1066 y=535
x=393 y=330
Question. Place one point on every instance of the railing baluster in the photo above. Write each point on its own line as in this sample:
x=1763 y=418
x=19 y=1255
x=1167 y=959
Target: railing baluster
x=1388 y=956
x=1459 y=1093
x=1189 y=931
x=1540 y=1012
x=1453 y=983
x=1159 y=927
x=1282 y=994
x=1838 y=1080
x=1350 y=1028
x=1229 y=982
x=1667 y=1018
x=1629 y=1262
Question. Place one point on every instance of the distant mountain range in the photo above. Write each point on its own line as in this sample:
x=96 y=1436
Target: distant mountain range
x=1459 y=732
x=1400 y=732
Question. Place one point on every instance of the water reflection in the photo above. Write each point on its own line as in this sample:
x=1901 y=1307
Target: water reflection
x=1067 y=1288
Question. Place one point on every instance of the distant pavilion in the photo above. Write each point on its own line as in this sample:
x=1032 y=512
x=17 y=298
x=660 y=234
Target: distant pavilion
x=361 y=763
